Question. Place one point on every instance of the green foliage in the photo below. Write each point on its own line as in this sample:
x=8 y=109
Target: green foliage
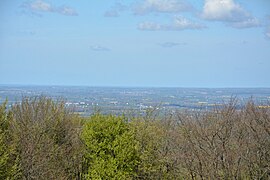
x=111 y=148
x=4 y=156
x=41 y=139
x=8 y=161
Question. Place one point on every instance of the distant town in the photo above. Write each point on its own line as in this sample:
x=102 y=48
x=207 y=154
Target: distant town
x=119 y=100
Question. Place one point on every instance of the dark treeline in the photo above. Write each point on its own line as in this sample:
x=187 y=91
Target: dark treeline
x=41 y=139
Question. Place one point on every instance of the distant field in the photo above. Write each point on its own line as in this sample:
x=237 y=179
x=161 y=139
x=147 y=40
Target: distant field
x=117 y=100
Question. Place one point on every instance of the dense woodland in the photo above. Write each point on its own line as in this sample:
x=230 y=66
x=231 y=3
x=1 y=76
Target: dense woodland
x=41 y=139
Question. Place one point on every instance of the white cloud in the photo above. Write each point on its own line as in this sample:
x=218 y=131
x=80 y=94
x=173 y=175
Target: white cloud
x=165 y=6
x=179 y=23
x=151 y=26
x=183 y=23
x=99 y=48
x=267 y=33
x=223 y=10
x=229 y=12
x=251 y=22
x=39 y=6
x=65 y=10
x=115 y=10
x=171 y=44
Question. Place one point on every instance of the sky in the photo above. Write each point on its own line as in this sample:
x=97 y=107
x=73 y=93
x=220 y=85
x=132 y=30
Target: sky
x=141 y=43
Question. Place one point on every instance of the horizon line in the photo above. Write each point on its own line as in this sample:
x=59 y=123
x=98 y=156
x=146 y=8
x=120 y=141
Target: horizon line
x=128 y=86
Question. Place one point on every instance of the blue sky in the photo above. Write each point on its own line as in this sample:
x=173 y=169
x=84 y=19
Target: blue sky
x=152 y=43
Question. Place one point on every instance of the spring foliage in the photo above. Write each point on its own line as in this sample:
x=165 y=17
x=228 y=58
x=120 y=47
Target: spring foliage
x=111 y=148
x=8 y=158
x=41 y=139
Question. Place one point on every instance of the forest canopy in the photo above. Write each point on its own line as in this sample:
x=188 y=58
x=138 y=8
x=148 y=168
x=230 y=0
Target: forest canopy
x=42 y=139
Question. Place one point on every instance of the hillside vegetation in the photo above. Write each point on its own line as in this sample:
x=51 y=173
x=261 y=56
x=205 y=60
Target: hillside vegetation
x=41 y=139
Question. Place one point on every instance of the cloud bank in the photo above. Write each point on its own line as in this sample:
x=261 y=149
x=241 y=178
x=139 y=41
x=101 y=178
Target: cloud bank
x=179 y=23
x=40 y=6
x=163 y=6
x=228 y=12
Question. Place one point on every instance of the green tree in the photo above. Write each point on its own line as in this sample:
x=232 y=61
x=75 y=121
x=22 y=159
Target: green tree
x=8 y=161
x=111 y=148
